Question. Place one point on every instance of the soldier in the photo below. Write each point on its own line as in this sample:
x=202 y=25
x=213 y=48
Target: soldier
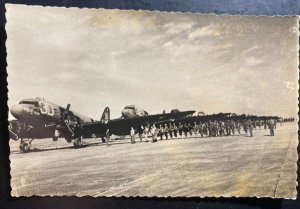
x=227 y=128
x=253 y=124
x=190 y=129
x=210 y=129
x=153 y=132
x=132 y=133
x=205 y=129
x=200 y=128
x=185 y=130
x=146 y=131
x=245 y=126
x=265 y=125
x=271 y=126
x=238 y=127
x=141 y=131
x=175 y=130
x=232 y=127
x=171 y=129
x=195 y=128
x=250 y=127
x=221 y=128
x=161 y=132
x=180 y=129
x=107 y=136
x=166 y=130
x=215 y=128
x=156 y=131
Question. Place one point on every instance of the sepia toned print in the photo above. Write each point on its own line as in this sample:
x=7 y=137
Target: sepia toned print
x=139 y=103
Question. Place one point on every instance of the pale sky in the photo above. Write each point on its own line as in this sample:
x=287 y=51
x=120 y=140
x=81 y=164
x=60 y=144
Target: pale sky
x=93 y=58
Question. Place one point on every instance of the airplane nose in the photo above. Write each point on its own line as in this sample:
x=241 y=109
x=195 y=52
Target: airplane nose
x=16 y=111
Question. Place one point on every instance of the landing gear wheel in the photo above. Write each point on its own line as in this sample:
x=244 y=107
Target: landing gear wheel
x=103 y=140
x=24 y=147
x=78 y=142
x=69 y=140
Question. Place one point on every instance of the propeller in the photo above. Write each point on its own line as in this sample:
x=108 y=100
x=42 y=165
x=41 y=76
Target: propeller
x=65 y=119
x=12 y=134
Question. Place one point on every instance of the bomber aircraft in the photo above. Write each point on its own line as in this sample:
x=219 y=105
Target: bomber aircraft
x=223 y=117
x=37 y=119
x=132 y=116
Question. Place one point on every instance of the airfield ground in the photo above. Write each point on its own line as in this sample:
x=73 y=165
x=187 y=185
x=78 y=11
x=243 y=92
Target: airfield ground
x=221 y=166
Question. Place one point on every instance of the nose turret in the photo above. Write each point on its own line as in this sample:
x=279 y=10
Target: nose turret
x=16 y=110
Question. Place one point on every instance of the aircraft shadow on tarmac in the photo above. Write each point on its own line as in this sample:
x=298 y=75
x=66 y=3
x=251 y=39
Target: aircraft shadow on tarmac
x=46 y=149
x=117 y=142
x=70 y=147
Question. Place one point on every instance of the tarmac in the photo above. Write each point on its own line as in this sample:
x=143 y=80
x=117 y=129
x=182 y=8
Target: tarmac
x=238 y=165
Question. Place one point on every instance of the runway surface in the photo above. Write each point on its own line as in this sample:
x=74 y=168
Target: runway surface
x=238 y=165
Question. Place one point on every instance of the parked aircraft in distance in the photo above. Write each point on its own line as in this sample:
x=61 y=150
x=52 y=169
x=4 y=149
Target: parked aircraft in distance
x=121 y=126
x=223 y=117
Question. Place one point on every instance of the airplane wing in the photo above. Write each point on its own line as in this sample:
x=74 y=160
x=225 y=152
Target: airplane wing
x=122 y=127
x=205 y=118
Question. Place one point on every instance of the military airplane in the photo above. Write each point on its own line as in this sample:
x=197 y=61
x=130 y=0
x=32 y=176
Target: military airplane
x=205 y=118
x=132 y=116
x=223 y=117
x=37 y=118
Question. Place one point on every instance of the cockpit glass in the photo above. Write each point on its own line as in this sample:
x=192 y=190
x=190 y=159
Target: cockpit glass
x=29 y=103
x=129 y=108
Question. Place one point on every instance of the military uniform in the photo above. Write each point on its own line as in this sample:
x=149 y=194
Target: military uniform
x=245 y=127
x=250 y=126
x=171 y=129
x=141 y=131
x=132 y=133
x=175 y=130
x=146 y=131
x=200 y=128
x=205 y=129
x=190 y=128
x=238 y=127
x=107 y=136
x=210 y=129
x=232 y=127
x=196 y=128
x=166 y=130
x=227 y=128
x=272 y=126
x=185 y=130
x=180 y=129
x=221 y=128
x=161 y=132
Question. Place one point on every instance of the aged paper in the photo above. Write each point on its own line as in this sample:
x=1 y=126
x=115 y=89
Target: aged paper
x=195 y=105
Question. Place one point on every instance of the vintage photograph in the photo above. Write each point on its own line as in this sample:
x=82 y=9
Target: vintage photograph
x=151 y=104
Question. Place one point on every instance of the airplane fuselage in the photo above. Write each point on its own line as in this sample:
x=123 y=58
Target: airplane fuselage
x=40 y=112
x=39 y=118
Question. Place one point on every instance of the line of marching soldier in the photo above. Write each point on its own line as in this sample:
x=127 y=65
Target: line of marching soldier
x=204 y=129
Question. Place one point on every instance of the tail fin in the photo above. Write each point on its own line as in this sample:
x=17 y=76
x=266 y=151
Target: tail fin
x=105 y=116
